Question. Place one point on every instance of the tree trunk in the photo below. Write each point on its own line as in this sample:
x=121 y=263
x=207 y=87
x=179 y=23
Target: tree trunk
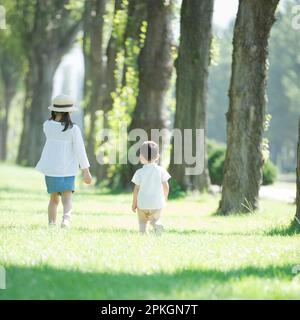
x=298 y=179
x=136 y=15
x=9 y=92
x=39 y=91
x=94 y=79
x=155 y=65
x=10 y=71
x=111 y=81
x=246 y=115
x=155 y=68
x=192 y=83
x=112 y=51
x=45 y=47
x=4 y=128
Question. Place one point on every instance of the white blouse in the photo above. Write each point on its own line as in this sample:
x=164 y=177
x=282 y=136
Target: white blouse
x=63 y=152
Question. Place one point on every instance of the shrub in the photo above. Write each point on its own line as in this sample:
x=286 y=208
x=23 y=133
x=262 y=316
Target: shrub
x=269 y=173
x=175 y=190
x=216 y=160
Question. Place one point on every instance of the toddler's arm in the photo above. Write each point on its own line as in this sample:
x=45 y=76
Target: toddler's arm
x=166 y=189
x=134 y=200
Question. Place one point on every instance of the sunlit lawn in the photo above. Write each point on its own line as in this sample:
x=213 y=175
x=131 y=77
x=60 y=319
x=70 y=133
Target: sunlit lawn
x=201 y=255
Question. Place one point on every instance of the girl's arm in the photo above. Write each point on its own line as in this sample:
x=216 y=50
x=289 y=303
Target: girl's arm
x=166 y=189
x=134 y=200
x=81 y=155
x=87 y=177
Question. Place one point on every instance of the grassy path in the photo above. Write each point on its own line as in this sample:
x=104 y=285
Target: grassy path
x=201 y=256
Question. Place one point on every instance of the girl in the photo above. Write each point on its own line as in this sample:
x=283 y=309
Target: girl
x=62 y=155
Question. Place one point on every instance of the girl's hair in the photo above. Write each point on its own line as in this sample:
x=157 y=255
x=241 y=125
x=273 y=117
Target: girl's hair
x=65 y=119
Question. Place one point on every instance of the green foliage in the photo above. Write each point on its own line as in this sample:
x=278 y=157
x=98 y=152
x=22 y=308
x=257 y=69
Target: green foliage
x=124 y=98
x=216 y=160
x=269 y=173
x=175 y=190
x=200 y=256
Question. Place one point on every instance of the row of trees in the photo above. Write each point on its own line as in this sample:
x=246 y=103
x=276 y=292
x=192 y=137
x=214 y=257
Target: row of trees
x=129 y=55
x=283 y=90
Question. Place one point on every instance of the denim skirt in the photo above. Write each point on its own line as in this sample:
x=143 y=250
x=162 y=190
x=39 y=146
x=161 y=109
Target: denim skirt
x=60 y=184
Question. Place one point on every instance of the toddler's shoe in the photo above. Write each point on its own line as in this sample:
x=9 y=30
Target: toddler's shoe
x=52 y=224
x=159 y=229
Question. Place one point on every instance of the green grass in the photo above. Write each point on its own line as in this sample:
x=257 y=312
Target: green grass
x=201 y=255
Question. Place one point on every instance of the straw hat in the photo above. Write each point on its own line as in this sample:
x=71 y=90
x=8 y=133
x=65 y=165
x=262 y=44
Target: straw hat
x=62 y=103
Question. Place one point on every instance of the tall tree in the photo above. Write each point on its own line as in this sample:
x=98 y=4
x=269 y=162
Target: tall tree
x=113 y=48
x=48 y=31
x=94 y=66
x=283 y=88
x=136 y=15
x=155 y=68
x=155 y=65
x=298 y=179
x=11 y=72
x=192 y=82
x=246 y=115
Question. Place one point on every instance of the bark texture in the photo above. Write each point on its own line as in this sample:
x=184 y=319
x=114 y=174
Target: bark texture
x=10 y=73
x=246 y=115
x=155 y=65
x=155 y=68
x=136 y=15
x=46 y=40
x=192 y=82
x=298 y=179
x=113 y=48
x=94 y=66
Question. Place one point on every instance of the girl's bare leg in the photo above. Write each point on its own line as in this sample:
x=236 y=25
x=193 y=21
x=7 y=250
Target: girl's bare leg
x=66 y=198
x=52 y=208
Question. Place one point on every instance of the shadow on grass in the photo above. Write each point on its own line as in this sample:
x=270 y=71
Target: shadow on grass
x=49 y=283
x=290 y=230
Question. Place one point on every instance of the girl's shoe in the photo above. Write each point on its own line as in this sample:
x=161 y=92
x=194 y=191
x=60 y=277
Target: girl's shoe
x=65 y=223
x=52 y=224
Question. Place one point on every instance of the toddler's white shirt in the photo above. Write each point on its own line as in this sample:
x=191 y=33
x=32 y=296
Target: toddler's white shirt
x=149 y=179
x=63 y=152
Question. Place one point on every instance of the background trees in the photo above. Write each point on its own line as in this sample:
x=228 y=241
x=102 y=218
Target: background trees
x=155 y=68
x=246 y=115
x=192 y=77
x=48 y=30
x=298 y=179
x=93 y=49
x=282 y=87
x=11 y=71
x=129 y=49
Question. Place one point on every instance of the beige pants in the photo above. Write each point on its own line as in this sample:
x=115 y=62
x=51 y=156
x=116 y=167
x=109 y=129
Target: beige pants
x=153 y=216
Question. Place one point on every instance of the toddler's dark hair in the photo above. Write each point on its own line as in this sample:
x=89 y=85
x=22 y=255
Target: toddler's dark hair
x=149 y=150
